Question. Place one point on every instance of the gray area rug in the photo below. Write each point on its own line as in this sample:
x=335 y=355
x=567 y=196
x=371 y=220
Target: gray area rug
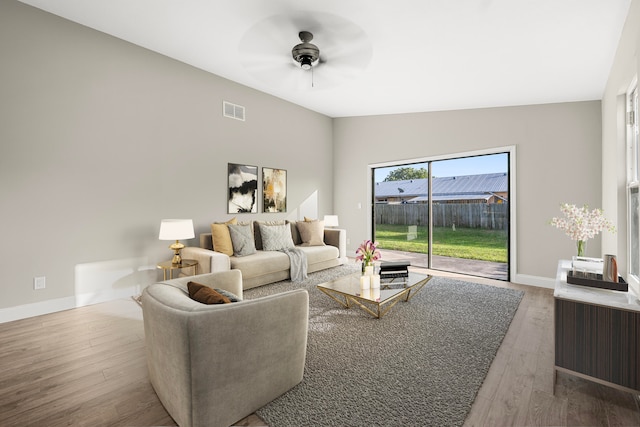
x=420 y=365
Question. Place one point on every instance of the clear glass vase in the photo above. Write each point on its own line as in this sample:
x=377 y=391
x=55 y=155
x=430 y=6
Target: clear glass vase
x=367 y=268
x=582 y=247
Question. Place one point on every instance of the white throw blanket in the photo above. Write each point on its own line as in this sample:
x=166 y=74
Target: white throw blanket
x=298 y=263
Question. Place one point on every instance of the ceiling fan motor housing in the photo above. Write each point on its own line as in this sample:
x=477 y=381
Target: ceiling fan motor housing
x=306 y=54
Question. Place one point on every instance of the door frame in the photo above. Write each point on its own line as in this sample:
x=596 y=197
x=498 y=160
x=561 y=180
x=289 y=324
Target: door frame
x=511 y=149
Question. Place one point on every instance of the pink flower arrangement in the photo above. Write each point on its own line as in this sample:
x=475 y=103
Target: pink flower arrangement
x=581 y=224
x=368 y=252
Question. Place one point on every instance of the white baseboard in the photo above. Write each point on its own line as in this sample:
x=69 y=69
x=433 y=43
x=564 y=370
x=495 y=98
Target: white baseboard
x=60 y=304
x=51 y=306
x=541 y=282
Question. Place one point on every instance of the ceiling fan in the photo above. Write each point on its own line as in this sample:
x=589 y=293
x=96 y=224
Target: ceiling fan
x=305 y=53
x=340 y=51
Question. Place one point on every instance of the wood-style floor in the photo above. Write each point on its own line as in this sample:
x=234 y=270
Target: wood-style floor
x=86 y=367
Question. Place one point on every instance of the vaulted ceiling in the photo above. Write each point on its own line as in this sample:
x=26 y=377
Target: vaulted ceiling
x=376 y=56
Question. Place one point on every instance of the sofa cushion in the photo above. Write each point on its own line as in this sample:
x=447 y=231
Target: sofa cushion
x=242 y=239
x=261 y=263
x=221 y=237
x=206 y=295
x=317 y=254
x=276 y=237
x=311 y=233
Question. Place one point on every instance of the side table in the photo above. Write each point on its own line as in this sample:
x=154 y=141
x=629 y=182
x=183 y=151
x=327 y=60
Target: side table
x=169 y=266
x=597 y=333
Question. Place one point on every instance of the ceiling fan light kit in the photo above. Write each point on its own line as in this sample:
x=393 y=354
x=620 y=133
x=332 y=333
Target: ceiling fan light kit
x=306 y=54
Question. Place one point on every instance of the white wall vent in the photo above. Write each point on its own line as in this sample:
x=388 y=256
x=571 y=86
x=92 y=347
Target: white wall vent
x=232 y=111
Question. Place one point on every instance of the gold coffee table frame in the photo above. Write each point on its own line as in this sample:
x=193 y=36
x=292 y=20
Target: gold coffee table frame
x=346 y=291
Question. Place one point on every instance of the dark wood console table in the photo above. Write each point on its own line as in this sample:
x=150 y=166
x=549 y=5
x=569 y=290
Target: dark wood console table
x=597 y=333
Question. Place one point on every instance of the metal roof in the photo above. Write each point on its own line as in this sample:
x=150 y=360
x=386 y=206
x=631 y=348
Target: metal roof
x=447 y=197
x=405 y=188
x=458 y=185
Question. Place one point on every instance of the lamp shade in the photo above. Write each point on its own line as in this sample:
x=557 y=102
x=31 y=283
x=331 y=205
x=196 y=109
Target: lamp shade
x=176 y=229
x=331 y=220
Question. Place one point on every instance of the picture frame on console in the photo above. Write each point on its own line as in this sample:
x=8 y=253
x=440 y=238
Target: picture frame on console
x=274 y=190
x=243 y=188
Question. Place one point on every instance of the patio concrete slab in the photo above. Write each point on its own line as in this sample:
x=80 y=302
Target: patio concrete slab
x=490 y=270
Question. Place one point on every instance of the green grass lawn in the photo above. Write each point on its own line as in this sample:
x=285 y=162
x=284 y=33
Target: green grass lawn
x=469 y=243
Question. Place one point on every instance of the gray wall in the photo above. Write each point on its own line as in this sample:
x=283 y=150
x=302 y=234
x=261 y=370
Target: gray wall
x=101 y=139
x=557 y=160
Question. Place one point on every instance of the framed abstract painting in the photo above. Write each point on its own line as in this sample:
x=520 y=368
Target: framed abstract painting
x=274 y=190
x=243 y=189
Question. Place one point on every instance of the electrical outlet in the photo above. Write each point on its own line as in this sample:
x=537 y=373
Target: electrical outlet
x=348 y=241
x=39 y=282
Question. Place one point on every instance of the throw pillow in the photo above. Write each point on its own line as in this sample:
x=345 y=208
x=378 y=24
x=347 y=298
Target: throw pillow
x=221 y=238
x=295 y=234
x=311 y=233
x=258 y=235
x=232 y=297
x=307 y=219
x=242 y=239
x=205 y=294
x=276 y=237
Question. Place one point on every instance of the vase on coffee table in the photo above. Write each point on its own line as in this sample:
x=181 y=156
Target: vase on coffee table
x=367 y=269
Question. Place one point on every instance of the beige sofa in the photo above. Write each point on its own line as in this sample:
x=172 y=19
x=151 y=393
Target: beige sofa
x=213 y=365
x=270 y=266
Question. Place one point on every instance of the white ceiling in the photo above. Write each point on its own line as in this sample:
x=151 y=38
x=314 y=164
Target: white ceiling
x=403 y=55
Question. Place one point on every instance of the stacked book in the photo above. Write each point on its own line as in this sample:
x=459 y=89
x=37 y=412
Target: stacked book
x=394 y=270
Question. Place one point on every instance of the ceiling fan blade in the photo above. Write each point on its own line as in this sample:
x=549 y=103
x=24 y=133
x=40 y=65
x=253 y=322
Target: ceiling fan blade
x=326 y=76
x=357 y=58
x=280 y=75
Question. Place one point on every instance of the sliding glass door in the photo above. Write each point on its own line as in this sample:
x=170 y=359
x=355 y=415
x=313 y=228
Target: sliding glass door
x=401 y=212
x=449 y=214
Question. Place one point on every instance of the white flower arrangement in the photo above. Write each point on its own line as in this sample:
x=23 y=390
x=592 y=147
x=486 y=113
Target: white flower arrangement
x=581 y=224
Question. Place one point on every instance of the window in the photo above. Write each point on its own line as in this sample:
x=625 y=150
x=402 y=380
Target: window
x=633 y=185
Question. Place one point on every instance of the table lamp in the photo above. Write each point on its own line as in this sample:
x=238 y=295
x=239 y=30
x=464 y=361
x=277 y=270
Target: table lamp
x=176 y=229
x=331 y=220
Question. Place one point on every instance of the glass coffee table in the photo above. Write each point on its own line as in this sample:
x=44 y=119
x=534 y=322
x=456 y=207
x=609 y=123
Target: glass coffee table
x=346 y=291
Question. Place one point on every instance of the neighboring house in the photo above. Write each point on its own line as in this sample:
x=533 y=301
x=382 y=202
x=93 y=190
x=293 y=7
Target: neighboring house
x=485 y=188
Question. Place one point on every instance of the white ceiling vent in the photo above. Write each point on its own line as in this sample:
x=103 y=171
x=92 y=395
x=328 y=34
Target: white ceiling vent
x=232 y=111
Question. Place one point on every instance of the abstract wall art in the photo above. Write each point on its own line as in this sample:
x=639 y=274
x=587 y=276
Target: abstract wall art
x=274 y=190
x=243 y=189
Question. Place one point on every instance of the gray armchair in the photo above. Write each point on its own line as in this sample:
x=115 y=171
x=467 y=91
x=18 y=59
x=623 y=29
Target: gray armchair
x=212 y=365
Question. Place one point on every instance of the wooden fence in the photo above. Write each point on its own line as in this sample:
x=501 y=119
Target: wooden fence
x=469 y=215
